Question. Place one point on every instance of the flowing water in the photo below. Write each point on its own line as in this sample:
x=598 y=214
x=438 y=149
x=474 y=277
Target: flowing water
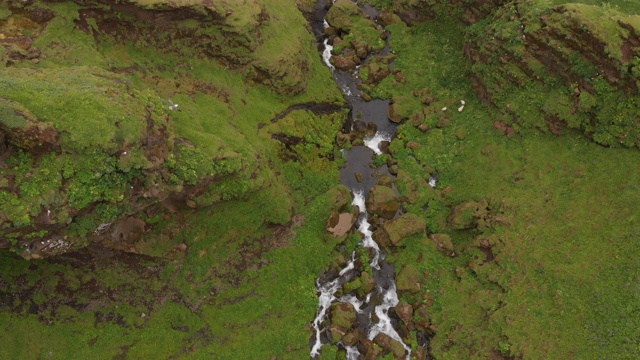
x=372 y=311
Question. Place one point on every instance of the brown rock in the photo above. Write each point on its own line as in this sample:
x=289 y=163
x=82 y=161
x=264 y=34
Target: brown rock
x=340 y=223
x=371 y=350
x=389 y=344
x=404 y=311
x=382 y=201
x=344 y=63
x=443 y=243
x=394 y=231
x=343 y=315
x=407 y=279
x=422 y=317
x=393 y=115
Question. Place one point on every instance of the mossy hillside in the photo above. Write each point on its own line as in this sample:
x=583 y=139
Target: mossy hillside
x=544 y=271
x=89 y=107
x=584 y=79
x=219 y=115
x=237 y=279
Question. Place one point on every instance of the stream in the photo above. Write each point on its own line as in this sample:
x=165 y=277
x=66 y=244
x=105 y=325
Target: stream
x=372 y=312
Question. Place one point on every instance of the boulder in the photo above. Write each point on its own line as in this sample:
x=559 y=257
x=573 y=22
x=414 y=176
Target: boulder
x=393 y=115
x=336 y=333
x=343 y=315
x=371 y=350
x=404 y=311
x=340 y=223
x=466 y=215
x=443 y=243
x=394 y=231
x=368 y=282
x=391 y=345
x=422 y=317
x=382 y=201
x=407 y=279
x=344 y=63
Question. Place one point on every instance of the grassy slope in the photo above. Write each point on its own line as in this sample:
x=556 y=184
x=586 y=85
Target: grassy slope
x=561 y=284
x=269 y=305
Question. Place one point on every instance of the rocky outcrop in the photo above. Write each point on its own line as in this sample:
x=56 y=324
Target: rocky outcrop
x=382 y=201
x=353 y=34
x=394 y=231
x=572 y=66
x=412 y=11
x=87 y=155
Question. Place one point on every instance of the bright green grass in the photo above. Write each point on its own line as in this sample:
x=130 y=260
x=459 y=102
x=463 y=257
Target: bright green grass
x=566 y=263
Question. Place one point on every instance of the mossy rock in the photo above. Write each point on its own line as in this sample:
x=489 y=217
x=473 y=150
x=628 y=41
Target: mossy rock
x=394 y=231
x=382 y=201
x=408 y=279
x=466 y=215
x=343 y=315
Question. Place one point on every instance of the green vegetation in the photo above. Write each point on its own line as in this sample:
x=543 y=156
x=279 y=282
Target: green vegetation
x=561 y=228
x=532 y=232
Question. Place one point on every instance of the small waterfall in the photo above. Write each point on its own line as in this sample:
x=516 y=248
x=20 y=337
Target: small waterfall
x=383 y=296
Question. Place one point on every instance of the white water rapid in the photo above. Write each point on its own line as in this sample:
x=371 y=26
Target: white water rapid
x=374 y=142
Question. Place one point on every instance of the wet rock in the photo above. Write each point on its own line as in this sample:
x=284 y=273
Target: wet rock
x=343 y=139
x=353 y=286
x=371 y=130
x=351 y=338
x=357 y=142
x=391 y=345
x=422 y=353
x=366 y=97
x=384 y=146
x=407 y=279
x=394 y=231
x=336 y=333
x=343 y=315
x=359 y=126
x=382 y=201
x=386 y=17
x=393 y=115
x=405 y=312
x=339 y=15
x=371 y=350
x=368 y=282
x=344 y=63
x=339 y=224
x=385 y=180
x=443 y=243
x=393 y=169
x=362 y=49
x=359 y=177
x=424 y=128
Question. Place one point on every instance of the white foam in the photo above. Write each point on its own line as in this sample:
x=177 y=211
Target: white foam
x=374 y=142
x=326 y=54
x=389 y=300
x=358 y=200
x=352 y=353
